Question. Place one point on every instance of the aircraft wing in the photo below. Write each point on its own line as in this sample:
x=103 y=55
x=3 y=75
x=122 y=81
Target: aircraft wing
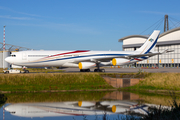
x=139 y=55
x=108 y=59
x=142 y=55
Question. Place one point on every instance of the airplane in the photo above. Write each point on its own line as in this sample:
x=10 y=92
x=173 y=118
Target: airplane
x=76 y=108
x=85 y=59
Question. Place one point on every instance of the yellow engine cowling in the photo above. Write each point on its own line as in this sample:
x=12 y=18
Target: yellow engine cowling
x=120 y=61
x=116 y=108
x=86 y=104
x=86 y=65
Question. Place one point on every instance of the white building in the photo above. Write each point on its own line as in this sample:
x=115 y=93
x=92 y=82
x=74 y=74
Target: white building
x=167 y=40
x=7 y=52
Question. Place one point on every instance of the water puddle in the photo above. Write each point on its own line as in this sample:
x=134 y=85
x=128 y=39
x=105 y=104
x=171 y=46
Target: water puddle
x=78 y=105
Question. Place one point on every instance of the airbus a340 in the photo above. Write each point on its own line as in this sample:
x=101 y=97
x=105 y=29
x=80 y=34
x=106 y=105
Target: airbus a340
x=85 y=59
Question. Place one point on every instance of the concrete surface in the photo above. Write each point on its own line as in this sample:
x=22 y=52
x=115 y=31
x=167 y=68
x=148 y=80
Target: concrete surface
x=130 y=70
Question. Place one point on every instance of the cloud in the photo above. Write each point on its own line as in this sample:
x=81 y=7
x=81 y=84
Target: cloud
x=65 y=27
x=15 y=18
x=8 y=9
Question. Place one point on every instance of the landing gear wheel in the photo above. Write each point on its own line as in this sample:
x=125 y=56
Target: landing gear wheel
x=99 y=70
x=102 y=70
x=26 y=71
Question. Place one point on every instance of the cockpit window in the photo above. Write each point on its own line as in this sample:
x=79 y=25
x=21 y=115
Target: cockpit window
x=12 y=112
x=13 y=55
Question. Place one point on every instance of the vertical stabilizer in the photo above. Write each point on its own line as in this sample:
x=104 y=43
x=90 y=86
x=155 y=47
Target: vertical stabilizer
x=150 y=43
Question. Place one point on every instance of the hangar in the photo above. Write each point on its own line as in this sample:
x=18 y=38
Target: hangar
x=167 y=40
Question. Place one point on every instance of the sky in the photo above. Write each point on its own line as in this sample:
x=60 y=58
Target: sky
x=80 y=24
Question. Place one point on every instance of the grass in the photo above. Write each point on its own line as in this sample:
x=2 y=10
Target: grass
x=52 y=81
x=37 y=70
x=85 y=81
x=126 y=75
x=151 y=81
x=159 y=81
x=165 y=113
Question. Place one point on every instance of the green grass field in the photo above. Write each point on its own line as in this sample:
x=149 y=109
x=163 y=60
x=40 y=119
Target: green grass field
x=159 y=81
x=85 y=81
x=52 y=81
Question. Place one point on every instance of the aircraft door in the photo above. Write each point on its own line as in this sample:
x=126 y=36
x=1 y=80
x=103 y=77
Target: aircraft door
x=24 y=56
x=24 y=111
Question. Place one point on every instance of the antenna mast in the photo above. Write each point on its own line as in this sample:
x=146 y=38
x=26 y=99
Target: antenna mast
x=166 y=23
x=4 y=39
x=4 y=49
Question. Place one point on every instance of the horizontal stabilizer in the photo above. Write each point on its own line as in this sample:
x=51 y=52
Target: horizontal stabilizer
x=167 y=51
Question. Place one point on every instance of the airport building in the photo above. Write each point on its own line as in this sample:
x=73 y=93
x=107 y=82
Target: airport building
x=168 y=40
x=5 y=53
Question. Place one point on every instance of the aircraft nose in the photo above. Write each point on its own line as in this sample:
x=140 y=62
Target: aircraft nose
x=8 y=59
x=10 y=108
x=7 y=108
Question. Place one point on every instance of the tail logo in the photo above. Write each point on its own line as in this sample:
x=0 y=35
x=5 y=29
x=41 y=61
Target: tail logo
x=151 y=40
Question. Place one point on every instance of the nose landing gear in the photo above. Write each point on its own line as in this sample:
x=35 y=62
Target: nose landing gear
x=24 y=69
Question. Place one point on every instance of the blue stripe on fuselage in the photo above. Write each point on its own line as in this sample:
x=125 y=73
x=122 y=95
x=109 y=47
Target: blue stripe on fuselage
x=82 y=57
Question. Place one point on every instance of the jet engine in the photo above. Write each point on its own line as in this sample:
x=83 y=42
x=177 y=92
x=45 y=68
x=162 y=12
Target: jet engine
x=86 y=65
x=120 y=61
x=116 y=108
x=86 y=104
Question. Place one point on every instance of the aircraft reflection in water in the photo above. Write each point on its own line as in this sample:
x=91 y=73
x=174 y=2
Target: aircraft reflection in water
x=75 y=108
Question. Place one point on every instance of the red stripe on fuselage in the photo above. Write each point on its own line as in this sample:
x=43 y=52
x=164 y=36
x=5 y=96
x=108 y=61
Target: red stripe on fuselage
x=77 y=51
x=137 y=59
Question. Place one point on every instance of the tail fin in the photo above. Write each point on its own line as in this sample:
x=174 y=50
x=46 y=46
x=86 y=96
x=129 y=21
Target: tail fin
x=150 y=43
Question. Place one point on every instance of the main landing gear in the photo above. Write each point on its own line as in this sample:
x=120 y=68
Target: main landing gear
x=98 y=68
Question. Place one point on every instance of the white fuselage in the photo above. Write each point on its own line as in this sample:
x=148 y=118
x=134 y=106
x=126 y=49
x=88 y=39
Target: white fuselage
x=63 y=58
x=84 y=59
x=72 y=108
